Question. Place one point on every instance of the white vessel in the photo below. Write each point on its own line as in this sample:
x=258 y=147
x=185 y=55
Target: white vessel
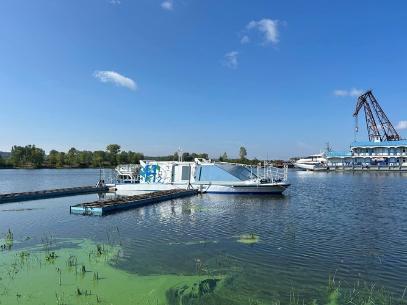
x=312 y=163
x=201 y=174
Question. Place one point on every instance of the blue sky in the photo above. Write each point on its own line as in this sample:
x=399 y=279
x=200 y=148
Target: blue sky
x=278 y=77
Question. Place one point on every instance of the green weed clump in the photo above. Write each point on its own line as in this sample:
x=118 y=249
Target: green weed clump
x=9 y=236
x=60 y=299
x=337 y=294
x=96 y=276
x=72 y=261
x=194 y=294
x=249 y=238
x=84 y=292
x=358 y=294
x=8 y=241
x=24 y=255
x=51 y=256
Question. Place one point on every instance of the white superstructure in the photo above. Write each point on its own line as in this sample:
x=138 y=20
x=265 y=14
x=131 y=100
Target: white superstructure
x=312 y=163
x=201 y=174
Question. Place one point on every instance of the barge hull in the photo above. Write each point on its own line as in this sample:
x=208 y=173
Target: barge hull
x=45 y=194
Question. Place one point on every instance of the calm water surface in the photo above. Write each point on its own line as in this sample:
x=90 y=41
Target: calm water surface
x=353 y=226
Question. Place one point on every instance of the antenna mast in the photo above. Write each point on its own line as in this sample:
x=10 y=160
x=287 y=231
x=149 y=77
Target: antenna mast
x=179 y=152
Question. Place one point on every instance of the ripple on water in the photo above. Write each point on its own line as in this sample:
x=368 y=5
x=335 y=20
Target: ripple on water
x=352 y=226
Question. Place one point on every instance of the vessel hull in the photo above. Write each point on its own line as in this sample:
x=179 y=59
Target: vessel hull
x=270 y=188
x=309 y=167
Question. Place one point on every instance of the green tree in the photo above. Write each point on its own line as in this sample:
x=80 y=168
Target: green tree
x=17 y=155
x=186 y=157
x=85 y=158
x=224 y=157
x=200 y=155
x=37 y=156
x=60 y=159
x=2 y=161
x=113 y=150
x=28 y=155
x=122 y=158
x=98 y=158
x=52 y=158
x=242 y=153
x=72 y=157
x=135 y=157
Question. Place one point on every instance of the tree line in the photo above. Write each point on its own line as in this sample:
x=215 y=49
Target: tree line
x=30 y=156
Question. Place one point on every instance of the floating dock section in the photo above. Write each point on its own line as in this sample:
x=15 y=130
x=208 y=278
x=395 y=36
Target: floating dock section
x=45 y=194
x=100 y=208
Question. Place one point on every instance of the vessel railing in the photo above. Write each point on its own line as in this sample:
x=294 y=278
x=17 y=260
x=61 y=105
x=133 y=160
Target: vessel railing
x=130 y=170
x=264 y=172
x=272 y=174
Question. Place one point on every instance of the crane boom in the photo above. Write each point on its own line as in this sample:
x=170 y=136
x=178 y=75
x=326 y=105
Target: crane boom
x=372 y=130
x=389 y=132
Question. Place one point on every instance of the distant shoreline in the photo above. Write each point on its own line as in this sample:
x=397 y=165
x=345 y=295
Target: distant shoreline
x=46 y=167
x=33 y=157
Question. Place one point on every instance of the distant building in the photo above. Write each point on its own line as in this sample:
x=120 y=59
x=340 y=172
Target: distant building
x=4 y=154
x=368 y=154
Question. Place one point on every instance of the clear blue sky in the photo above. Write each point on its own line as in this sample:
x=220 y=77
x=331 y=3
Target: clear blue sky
x=277 y=77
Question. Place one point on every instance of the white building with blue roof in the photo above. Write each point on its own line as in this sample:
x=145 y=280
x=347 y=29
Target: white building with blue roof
x=371 y=154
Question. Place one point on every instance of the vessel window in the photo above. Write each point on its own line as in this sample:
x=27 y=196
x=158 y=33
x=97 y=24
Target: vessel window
x=215 y=173
x=185 y=173
x=240 y=172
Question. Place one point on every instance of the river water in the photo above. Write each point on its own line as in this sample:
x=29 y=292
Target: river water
x=352 y=227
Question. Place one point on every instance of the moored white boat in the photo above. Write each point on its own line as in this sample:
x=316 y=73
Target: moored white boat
x=203 y=175
x=312 y=163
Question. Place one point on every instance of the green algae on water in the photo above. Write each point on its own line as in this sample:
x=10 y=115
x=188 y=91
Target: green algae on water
x=85 y=274
x=249 y=238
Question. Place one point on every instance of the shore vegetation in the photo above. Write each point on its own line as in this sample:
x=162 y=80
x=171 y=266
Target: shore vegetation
x=31 y=156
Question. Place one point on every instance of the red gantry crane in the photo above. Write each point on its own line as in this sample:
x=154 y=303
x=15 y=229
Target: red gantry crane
x=387 y=132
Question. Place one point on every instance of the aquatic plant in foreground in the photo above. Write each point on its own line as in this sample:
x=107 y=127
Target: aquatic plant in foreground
x=8 y=241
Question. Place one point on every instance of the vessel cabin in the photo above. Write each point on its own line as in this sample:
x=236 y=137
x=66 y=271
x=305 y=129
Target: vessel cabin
x=184 y=172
